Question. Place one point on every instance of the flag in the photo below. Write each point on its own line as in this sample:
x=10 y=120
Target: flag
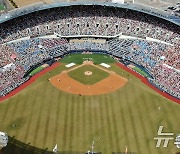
x=55 y=149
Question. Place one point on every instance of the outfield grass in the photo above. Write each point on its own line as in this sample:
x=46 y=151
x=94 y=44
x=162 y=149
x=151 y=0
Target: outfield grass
x=128 y=117
x=97 y=75
x=96 y=58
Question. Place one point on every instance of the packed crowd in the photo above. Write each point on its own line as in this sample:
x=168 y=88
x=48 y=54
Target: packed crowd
x=173 y=57
x=10 y=73
x=97 y=20
x=34 y=51
x=168 y=79
x=120 y=47
x=152 y=56
x=88 y=46
x=145 y=53
x=17 y=57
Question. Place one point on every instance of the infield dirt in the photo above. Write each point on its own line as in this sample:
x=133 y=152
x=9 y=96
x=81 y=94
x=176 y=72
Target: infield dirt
x=65 y=83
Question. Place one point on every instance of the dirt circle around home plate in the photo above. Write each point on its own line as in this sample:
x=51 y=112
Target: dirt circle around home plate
x=88 y=73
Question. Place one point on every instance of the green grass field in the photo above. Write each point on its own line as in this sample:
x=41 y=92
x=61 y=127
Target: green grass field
x=79 y=58
x=97 y=75
x=130 y=117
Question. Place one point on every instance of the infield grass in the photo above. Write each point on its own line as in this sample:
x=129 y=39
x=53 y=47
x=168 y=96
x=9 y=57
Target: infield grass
x=128 y=117
x=79 y=75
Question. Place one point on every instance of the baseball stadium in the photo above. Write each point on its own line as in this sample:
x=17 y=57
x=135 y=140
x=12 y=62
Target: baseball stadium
x=89 y=78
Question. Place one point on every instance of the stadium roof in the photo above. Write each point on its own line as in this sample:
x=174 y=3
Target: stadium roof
x=137 y=7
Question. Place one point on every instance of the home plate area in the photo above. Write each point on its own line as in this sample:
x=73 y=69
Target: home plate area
x=88 y=79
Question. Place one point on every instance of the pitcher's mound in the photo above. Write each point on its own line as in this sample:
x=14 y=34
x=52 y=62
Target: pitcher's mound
x=88 y=73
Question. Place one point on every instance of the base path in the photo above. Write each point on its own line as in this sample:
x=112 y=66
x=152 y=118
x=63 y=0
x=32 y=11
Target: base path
x=65 y=83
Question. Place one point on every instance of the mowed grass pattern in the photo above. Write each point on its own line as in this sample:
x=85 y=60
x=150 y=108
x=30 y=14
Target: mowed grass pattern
x=79 y=75
x=128 y=117
x=79 y=58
